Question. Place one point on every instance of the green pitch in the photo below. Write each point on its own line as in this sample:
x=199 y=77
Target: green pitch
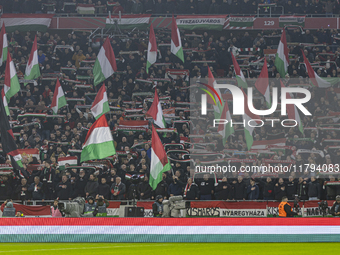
x=169 y=248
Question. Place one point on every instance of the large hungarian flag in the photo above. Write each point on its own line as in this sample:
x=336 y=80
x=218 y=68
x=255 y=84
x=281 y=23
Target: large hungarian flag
x=316 y=80
x=159 y=160
x=9 y=146
x=4 y=100
x=105 y=64
x=241 y=80
x=11 y=84
x=3 y=44
x=100 y=104
x=156 y=112
x=59 y=99
x=225 y=130
x=292 y=111
x=281 y=57
x=176 y=44
x=32 y=68
x=262 y=84
x=98 y=142
x=152 y=49
x=249 y=116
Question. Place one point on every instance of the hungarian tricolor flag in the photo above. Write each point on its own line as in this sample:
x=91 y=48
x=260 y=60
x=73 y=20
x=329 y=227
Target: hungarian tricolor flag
x=159 y=160
x=249 y=116
x=156 y=112
x=218 y=107
x=281 y=57
x=59 y=99
x=292 y=111
x=241 y=80
x=32 y=68
x=3 y=44
x=4 y=100
x=105 y=64
x=316 y=80
x=9 y=146
x=176 y=44
x=225 y=130
x=98 y=142
x=262 y=84
x=100 y=104
x=11 y=84
x=152 y=49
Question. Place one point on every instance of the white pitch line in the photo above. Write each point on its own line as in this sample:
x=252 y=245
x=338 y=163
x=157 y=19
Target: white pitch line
x=81 y=248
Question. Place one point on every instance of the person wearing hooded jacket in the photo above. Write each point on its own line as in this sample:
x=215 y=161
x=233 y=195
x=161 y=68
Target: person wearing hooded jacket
x=91 y=188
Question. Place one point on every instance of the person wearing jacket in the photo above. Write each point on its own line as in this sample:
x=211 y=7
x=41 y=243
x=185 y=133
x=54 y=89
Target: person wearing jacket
x=80 y=183
x=268 y=189
x=144 y=189
x=176 y=187
x=206 y=187
x=191 y=191
x=104 y=189
x=5 y=188
x=302 y=189
x=280 y=190
x=90 y=207
x=239 y=189
x=55 y=212
x=21 y=190
x=47 y=177
x=291 y=188
x=335 y=209
x=63 y=189
x=91 y=188
x=118 y=190
x=36 y=189
x=161 y=189
x=223 y=190
x=157 y=207
x=253 y=190
x=314 y=189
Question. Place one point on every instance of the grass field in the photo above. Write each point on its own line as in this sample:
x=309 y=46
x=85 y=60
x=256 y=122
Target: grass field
x=169 y=248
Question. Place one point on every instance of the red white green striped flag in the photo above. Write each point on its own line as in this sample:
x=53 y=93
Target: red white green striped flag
x=281 y=57
x=59 y=99
x=225 y=130
x=176 y=44
x=218 y=107
x=262 y=84
x=292 y=111
x=98 y=142
x=249 y=116
x=156 y=112
x=32 y=68
x=159 y=160
x=4 y=100
x=105 y=64
x=152 y=49
x=316 y=80
x=100 y=104
x=241 y=80
x=3 y=44
x=11 y=84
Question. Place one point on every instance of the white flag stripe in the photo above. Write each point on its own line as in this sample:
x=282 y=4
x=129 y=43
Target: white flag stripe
x=99 y=135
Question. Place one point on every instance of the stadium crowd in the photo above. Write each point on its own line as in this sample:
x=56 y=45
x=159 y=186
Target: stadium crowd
x=64 y=134
x=249 y=7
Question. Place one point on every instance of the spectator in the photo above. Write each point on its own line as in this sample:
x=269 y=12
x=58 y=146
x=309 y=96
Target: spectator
x=118 y=190
x=302 y=189
x=191 y=191
x=291 y=188
x=104 y=189
x=223 y=190
x=176 y=187
x=239 y=189
x=280 y=190
x=206 y=188
x=36 y=189
x=144 y=189
x=21 y=191
x=64 y=189
x=314 y=189
x=253 y=190
x=91 y=187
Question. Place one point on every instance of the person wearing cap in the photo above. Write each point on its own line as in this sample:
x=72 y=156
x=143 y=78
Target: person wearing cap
x=9 y=210
x=335 y=210
x=157 y=207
